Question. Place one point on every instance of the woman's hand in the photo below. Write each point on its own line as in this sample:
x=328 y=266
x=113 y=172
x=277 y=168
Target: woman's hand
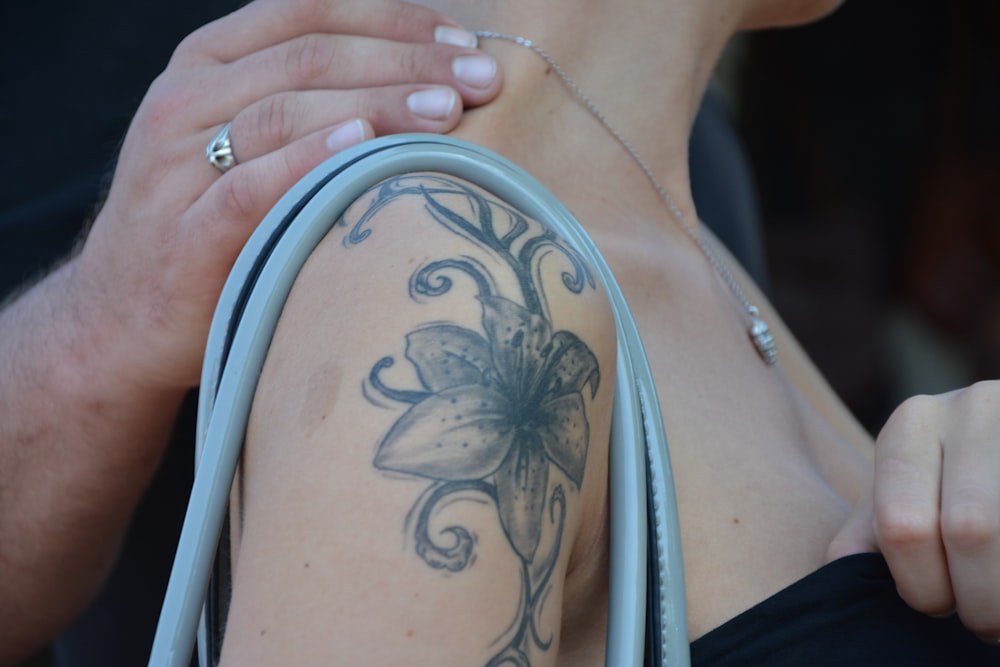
x=299 y=80
x=934 y=510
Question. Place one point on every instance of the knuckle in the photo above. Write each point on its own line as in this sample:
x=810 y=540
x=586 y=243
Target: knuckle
x=239 y=194
x=303 y=12
x=914 y=410
x=901 y=527
x=913 y=419
x=374 y=107
x=984 y=394
x=275 y=118
x=192 y=46
x=985 y=388
x=309 y=58
x=409 y=63
x=970 y=524
x=406 y=19
x=975 y=413
x=163 y=105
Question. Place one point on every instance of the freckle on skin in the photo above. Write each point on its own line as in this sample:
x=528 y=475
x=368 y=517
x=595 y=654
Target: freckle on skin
x=322 y=390
x=409 y=633
x=263 y=632
x=736 y=521
x=306 y=564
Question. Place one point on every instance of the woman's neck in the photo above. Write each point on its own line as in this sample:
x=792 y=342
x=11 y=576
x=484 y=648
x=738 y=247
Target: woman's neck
x=645 y=66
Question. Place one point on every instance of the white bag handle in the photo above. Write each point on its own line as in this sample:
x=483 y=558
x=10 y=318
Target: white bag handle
x=241 y=332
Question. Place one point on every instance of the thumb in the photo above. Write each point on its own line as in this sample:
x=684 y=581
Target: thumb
x=857 y=535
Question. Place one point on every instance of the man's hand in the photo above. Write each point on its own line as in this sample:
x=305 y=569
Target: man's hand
x=934 y=509
x=299 y=80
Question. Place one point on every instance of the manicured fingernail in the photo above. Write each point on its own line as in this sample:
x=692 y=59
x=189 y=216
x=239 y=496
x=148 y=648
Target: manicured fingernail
x=432 y=103
x=475 y=71
x=350 y=133
x=446 y=34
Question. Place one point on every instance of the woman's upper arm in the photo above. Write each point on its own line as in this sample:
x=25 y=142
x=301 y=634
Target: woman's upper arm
x=428 y=442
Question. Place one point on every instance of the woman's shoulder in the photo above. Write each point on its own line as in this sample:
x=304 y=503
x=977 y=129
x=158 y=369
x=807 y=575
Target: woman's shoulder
x=428 y=442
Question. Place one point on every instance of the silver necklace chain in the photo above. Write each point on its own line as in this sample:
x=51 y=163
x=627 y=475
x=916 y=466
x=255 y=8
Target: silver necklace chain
x=758 y=331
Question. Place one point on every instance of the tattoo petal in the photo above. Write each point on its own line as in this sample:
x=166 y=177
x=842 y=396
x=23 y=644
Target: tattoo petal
x=447 y=356
x=458 y=433
x=522 y=482
x=571 y=366
x=519 y=342
x=566 y=434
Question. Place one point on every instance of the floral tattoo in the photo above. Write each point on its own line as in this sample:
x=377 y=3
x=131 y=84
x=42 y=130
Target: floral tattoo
x=496 y=409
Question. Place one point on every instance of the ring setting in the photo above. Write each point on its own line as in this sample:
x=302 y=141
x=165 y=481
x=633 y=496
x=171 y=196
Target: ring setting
x=220 y=150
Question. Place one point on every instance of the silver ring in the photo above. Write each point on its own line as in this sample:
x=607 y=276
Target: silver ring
x=220 y=150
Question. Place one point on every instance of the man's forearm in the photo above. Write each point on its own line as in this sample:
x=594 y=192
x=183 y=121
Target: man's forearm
x=79 y=441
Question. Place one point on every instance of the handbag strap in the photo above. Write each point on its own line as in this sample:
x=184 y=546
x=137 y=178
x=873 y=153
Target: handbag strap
x=647 y=621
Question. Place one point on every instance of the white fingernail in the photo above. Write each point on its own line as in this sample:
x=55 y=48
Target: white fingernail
x=475 y=71
x=432 y=103
x=446 y=34
x=346 y=135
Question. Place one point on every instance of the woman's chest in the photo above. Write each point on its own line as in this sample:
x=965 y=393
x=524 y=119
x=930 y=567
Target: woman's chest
x=763 y=481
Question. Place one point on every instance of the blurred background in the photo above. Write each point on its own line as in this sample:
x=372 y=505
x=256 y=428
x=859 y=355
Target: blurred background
x=874 y=140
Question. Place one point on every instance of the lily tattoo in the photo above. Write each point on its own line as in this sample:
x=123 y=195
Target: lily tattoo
x=496 y=409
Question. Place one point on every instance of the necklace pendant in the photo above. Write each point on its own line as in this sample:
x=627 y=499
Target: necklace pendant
x=762 y=339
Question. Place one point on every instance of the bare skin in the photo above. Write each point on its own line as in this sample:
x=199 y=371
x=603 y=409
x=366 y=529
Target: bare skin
x=768 y=462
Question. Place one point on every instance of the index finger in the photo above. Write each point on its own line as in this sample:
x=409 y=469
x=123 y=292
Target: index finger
x=265 y=23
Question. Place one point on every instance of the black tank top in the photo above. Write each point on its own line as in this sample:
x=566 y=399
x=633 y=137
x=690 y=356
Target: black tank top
x=847 y=613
